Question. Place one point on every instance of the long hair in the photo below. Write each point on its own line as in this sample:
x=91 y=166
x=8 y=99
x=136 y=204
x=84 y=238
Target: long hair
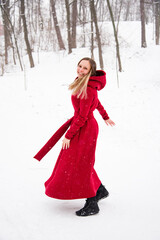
x=79 y=86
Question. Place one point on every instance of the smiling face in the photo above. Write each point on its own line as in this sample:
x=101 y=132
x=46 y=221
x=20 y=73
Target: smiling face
x=83 y=68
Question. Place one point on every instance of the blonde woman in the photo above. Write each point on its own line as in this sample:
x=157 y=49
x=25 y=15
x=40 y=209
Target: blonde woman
x=74 y=176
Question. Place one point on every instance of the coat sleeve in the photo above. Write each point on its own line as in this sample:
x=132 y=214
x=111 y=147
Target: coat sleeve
x=102 y=111
x=82 y=117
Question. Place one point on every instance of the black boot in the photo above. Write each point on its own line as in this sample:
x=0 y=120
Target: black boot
x=101 y=193
x=90 y=208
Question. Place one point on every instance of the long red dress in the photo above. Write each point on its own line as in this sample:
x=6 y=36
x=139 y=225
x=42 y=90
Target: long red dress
x=74 y=175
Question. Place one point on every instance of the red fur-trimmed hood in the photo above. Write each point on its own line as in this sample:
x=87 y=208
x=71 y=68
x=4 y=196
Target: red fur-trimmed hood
x=98 y=81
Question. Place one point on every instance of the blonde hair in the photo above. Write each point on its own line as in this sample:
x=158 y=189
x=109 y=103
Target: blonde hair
x=79 y=86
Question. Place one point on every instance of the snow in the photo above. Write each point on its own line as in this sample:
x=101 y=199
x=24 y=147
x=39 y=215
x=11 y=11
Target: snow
x=127 y=157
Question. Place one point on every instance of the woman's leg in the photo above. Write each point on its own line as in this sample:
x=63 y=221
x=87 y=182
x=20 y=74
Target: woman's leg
x=101 y=193
x=91 y=205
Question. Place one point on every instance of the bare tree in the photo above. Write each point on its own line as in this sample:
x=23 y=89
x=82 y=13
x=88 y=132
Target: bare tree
x=128 y=7
x=31 y=14
x=92 y=34
x=92 y=7
x=56 y=25
x=115 y=36
x=5 y=12
x=29 y=51
x=157 y=20
x=14 y=35
x=143 y=30
x=74 y=23
x=82 y=15
x=40 y=17
x=68 y=26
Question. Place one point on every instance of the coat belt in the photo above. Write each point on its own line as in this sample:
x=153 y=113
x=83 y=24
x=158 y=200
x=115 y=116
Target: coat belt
x=53 y=140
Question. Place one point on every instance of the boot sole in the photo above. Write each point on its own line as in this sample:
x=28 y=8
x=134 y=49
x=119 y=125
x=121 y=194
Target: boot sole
x=92 y=214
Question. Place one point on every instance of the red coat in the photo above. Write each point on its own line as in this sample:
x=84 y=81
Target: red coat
x=74 y=176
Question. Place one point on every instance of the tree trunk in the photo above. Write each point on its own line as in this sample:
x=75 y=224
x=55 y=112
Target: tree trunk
x=157 y=21
x=82 y=19
x=6 y=27
x=143 y=31
x=40 y=18
x=74 y=23
x=97 y=32
x=56 y=25
x=128 y=5
x=92 y=35
x=15 y=39
x=115 y=36
x=29 y=51
x=68 y=26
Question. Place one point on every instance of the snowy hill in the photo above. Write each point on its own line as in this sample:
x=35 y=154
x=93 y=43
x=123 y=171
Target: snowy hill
x=127 y=157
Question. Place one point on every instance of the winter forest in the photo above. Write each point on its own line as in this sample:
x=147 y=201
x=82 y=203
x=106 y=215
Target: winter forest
x=41 y=43
x=29 y=27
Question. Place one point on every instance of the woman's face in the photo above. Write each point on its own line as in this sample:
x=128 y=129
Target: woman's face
x=83 y=68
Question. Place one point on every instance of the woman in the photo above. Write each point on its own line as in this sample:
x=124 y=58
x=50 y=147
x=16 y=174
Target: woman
x=74 y=176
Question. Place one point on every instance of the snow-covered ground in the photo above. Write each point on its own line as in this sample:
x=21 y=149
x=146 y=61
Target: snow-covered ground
x=127 y=157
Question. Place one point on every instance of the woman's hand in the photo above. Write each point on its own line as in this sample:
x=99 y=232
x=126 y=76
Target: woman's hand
x=65 y=143
x=109 y=122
